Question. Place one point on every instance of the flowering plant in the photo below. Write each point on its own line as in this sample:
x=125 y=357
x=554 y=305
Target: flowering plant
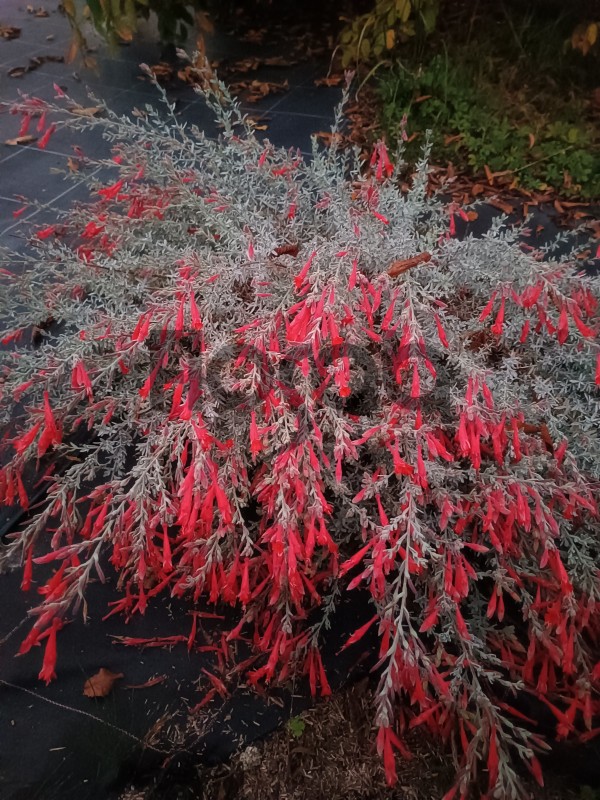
x=297 y=382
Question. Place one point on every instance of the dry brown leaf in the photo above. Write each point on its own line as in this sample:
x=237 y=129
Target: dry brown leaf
x=256 y=36
x=17 y=72
x=422 y=98
x=331 y=80
x=245 y=65
x=279 y=61
x=162 y=71
x=404 y=264
x=101 y=684
x=71 y=53
x=472 y=216
x=19 y=140
x=257 y=90
x=9 y=32
x=73 y=164
x=531 y=140
x=453 y=138
x=257 y=124
x=489 y=174
x=327 y=137
x=37 y=12
x=204 y=22
x=92 y=111
x=501 y=205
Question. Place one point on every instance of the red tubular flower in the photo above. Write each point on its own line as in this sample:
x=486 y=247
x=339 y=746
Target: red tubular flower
x=256 y=445
x=440 y=330
x=488 y=309
x=111 y=192
x=45 y=233
x=492 y=761
x=43 y=142
x=498 y=325
x=301 y=276
x=22 y=442
x=48 y=673
x=25 y=123
x=27 y=571
x=563 y=326
x=51 y=434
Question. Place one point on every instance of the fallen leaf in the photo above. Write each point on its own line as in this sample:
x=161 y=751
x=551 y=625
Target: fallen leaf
x=422 y=98
x=328 y=138
x=37 y=12
x=71 y=54
x=9 y=32
x=17 y=72
x=162 y=71
x=472 y=216
x=488 y=174
x=257 y=90
x=73 y=164
x=101 y=684
x=501 y=205
x=531 y=140
x=279 y=61
x=454 y=138
x=21 y=140
x=256 y=36
x=331 y=80
x=204 y=22
x=92 y=111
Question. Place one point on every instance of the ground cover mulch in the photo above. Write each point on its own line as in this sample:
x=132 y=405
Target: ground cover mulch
x=327 y=753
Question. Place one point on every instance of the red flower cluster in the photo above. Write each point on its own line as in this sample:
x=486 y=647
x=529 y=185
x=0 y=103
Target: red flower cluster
x=395 y=411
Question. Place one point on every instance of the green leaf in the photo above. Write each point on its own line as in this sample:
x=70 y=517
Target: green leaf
x=296 y=727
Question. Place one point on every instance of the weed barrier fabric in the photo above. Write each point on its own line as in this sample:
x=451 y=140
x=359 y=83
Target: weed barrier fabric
x=57 y=743
x=70 y=754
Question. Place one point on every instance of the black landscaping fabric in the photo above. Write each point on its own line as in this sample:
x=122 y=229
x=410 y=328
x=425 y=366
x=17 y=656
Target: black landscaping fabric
x=54 y=742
